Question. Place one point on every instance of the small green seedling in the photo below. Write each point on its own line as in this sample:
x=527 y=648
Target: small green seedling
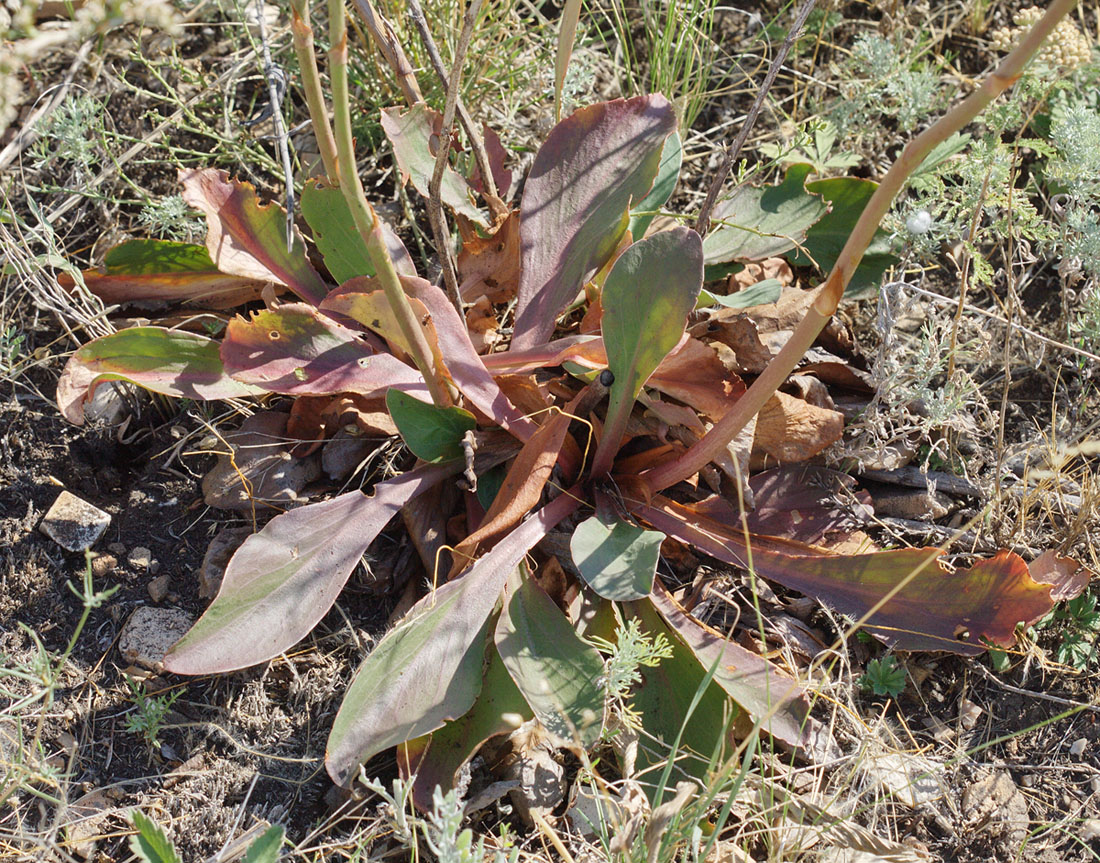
x=151 y=844
x=883 y=677
x=149 y=712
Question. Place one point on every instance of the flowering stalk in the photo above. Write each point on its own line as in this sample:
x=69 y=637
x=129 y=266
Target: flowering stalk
x=713 y=443
x=363 y=214
x=311 y=85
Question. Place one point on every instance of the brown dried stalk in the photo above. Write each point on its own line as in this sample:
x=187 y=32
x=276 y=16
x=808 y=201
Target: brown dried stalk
x=828 y=295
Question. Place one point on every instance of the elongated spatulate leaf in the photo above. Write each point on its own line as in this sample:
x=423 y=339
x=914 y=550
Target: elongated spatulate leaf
x=296 y=350
x=590 y=168
x=170 y=362
x=428 y=669
x=436 y=758
x=326 y=211
x=934 y=610
x=649 y=293
x=556 y=671
x=247 y=238
x=285 y=578
x=767 y=693
x=161 y=271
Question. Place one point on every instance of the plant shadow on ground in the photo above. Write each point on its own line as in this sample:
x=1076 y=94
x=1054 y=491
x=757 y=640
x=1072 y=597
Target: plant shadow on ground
x=250 y=745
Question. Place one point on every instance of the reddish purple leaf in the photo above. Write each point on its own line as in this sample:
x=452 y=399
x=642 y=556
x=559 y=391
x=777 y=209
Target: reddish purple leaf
x=285 y=578
x=170 y=362
x=933 y=610
x=296 y=350
x=590 y=168
x=463 y=362
x=247 y=238
x=804 y=503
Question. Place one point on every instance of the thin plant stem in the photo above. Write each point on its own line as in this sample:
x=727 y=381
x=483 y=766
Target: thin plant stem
x=702 y=224
x=302 y=33
x=435 y=208
x=828 y=295
x=477 y=144
x=363 y=214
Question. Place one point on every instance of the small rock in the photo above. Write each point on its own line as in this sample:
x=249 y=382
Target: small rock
x=968 y=714
x=103 y=565
x=84 y=821
x=116 y=548
x=140 y=558
x=1077 y=748
x=149 y=633
x=1094 y=784
x=1090 y=829
x=222 y=547
x=158 y=588
x=994 y=806
x=910 y=778
x=74 y=524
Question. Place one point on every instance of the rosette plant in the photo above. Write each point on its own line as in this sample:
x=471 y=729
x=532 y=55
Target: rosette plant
x=587 y=437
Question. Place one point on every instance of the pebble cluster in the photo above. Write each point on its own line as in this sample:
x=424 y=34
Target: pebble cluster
x=1067 y=48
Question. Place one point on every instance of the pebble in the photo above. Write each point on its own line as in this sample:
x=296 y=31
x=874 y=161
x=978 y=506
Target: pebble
x=158 y=588
x=1077 y=748
x=140 y=557
x=74 y=524
x=116 y=548
x=103 y=565
x=149 y=633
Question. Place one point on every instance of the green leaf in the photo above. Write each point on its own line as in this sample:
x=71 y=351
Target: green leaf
x=617 y=559
x=161 y=271
x=140 y=257
x=411 y=132
x=150 y=843
x=672 y=157
x=824 y=241
x=265 y=848
x=431 y=433
x=342 y=246
x=758 y=222
x=557 y=672
x=170 y=362
x=649 y=293
x=592 y=165
x=883 y=677
x=767 y=291
x=437 y=758
x=428 y=669
x=663 y=699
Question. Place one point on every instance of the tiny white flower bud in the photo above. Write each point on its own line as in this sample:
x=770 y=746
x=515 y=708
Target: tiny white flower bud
x=919 y=222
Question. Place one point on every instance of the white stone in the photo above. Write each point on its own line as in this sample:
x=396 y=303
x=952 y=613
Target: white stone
x=149 y=633
x=74 y=524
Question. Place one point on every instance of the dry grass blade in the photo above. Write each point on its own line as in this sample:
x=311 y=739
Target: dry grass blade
x=567 y=35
